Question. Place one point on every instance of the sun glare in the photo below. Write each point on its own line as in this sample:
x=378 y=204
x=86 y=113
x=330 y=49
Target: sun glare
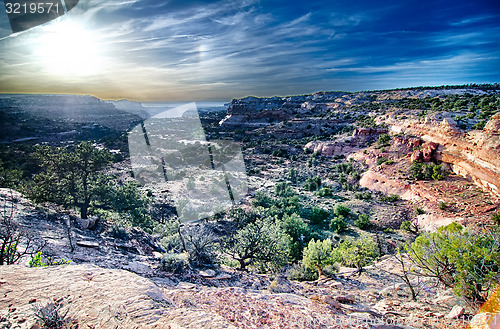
x=68 y=49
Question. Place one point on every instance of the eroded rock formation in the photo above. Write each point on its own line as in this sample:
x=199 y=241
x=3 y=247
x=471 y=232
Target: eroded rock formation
x=474 y=155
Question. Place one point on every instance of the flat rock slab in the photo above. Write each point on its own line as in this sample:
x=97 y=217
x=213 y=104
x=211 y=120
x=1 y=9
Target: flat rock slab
x=93 y=297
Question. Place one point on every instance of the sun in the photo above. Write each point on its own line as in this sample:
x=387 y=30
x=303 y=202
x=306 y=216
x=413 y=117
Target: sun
x=66 y=48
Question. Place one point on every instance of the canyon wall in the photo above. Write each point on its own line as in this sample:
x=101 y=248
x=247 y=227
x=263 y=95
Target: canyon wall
x=474 y=155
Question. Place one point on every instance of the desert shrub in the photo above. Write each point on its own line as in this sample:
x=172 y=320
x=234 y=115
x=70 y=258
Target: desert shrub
x=442 y=205
x=298 y=230
x=406 y=226
x=292 y=175
x=279 y=153
x=391 y=198
x=325 y=191
x=338 y=224
x=119 y=232
x=318 y=215
x=299 y=272
x=284 y=190
x=37 y=261
x=383 y=140
x=317 y=255
x=430 y=171
x=131 y=203
x=356 y=252
x=51 y=316
x=341 y=210
x=480 y=125
x=261 y=243
x=262 y=200
x=363 y=221
x=15 y=242
x=331 y=270
x=344 y=167
x=495 y=218
x=363 y=196
x=460 y=259
x=312 y=183
x=381 y=160
x=175 y=263
x=9 y=177
x=200 y=242
x=419 y=211
x=240 y=217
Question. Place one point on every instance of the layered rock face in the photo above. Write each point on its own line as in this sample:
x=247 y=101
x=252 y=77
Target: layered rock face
x=474 y=155
x=258 y=112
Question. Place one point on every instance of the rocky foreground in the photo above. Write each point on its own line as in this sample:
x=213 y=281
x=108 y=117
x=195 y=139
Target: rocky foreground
x=129 y=290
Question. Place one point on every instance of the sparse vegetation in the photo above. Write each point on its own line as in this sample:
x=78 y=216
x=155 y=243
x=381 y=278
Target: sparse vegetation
x=460 y=259
x=391 y=198
x=363 y=221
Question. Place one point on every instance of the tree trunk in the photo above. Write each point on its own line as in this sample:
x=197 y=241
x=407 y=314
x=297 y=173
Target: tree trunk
x=242 y=264
x=320 y=272
x=83 y=211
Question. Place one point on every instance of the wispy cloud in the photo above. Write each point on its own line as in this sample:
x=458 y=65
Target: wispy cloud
x=222 y=49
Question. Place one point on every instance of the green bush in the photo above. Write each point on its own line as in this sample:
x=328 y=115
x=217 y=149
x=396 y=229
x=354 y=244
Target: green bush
x=284 y=190
x=37 y=261
x=325 y=192
x=298 y=230
x=299 y=272
x=262 y=243
x=356 y=252
x=331 y=270
x=363 y=221
x=363 y=196
x=383 y=140
x=312 y=183
x=175 y=263
x=341 y=210
x=464 y=260
x=442 y=205
x=391 y=198
x=420 y=171
x=318 y=215
x=419 y=211
x=262 y=200
x=406 y=226
x=338 y=224
x=381 y=160
x=495 y=218
x=317 y=255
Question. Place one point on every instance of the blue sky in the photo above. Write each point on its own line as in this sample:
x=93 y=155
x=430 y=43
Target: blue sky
x=217 y=50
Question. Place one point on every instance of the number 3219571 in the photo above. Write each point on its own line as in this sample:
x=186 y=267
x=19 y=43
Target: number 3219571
x=31 y=8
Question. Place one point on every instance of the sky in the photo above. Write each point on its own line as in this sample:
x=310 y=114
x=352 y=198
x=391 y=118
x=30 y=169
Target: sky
x=189 y=50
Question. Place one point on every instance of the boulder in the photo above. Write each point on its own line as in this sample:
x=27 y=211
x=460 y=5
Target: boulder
x=347 y=299
x=331 y=301
x=207 y=273
x=493 y=125
x=455 y=312
x=87 y=223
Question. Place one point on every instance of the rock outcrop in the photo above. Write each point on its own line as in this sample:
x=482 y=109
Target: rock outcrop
x=93 y=297
x=474 y=155
x=259 y=112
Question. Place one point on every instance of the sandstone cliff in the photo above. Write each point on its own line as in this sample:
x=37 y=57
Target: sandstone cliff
x=474 y=155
